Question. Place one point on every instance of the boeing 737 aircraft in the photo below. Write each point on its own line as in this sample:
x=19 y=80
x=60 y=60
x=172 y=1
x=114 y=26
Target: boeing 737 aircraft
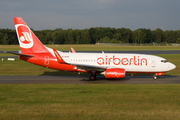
x=109 y=64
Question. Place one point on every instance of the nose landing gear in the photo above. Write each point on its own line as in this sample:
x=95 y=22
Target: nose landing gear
x=157 y=74
x=155 y=77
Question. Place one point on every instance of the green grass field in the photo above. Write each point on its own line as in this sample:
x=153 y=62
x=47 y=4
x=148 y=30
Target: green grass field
x=89 y=102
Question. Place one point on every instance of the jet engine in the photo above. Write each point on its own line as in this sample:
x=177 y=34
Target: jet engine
x=114 y=73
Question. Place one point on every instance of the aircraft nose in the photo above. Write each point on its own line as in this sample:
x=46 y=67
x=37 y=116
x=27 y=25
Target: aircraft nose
x=172 y=66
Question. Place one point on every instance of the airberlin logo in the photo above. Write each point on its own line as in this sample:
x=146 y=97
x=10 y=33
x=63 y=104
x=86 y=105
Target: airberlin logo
x=135 y=60
x=25 y=36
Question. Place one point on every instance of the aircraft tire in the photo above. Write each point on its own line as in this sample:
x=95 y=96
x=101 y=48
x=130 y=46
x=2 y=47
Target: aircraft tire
x=93 y=77
x=155 y=77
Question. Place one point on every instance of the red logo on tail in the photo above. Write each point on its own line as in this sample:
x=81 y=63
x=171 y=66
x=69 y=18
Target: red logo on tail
x=25 y=37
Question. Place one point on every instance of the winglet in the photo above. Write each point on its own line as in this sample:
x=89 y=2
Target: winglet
x=59 y=58
x=73 y=51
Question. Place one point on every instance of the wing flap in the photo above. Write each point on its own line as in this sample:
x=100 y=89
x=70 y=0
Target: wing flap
x=89 y=67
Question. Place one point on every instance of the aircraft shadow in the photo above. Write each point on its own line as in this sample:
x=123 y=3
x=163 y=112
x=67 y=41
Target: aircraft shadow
x=102 y=78
x=58 y=73
x=82 y=77
x=151 y=76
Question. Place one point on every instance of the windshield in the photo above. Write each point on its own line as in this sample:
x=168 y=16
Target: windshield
x=164 y=61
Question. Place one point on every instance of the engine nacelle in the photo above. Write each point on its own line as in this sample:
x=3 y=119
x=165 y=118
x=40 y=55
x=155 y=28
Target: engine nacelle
x=157 y=74
x=115 y=73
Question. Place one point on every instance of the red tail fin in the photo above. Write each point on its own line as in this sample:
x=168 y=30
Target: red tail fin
x=28 y=41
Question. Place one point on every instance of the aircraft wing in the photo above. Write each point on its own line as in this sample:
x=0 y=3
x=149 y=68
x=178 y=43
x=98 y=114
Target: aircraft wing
x=89 y=67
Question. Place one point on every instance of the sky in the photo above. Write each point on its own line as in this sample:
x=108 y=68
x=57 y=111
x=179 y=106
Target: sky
x=82 y=14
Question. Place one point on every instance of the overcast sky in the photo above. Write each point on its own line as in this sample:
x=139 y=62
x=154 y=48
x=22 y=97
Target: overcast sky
x=81 y=14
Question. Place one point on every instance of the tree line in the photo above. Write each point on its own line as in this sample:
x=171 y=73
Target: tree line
x=95 y=35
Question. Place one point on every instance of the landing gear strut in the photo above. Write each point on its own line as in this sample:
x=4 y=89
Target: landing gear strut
x=157 y=74
x=93 y=77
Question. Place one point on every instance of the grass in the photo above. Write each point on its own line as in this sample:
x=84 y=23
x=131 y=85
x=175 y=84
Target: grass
x=88 y=102
x=19 y=67
x=92 y=47
x=6 y=54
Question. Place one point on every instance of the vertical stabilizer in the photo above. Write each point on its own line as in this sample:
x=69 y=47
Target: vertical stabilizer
x=28 y=41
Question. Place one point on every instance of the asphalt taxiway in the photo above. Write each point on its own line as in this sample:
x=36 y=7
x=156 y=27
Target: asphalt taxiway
x=84 y=79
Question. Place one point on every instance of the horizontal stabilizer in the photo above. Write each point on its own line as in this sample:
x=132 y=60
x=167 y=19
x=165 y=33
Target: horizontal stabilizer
x=58 y=57
x=15 y=53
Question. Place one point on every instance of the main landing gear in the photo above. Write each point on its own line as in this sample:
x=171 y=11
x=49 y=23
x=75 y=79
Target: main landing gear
x=93 y=76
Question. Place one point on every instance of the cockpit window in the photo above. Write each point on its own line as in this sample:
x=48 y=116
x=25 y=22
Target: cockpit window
x=164 y=61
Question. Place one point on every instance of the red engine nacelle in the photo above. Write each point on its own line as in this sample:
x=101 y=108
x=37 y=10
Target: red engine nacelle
x=115 y=73
x=157 y=74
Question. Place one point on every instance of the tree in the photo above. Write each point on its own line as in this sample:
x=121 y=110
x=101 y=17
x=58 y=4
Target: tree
x=138 y=36
x=169 y=36
x=85 y=36
x=178 y=40
x=1 y=38
x=158 y=35
x=177 y=36
x=92 y=32
x=58 y=36
x=117 y=37
x=5 y=39
x=96 y=34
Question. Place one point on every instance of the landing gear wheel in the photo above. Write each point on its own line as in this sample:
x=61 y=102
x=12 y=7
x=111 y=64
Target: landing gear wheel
x=93 y=77
x=155 y=77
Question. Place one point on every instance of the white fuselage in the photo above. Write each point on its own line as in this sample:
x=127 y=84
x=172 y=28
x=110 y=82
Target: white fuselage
x=129 y=62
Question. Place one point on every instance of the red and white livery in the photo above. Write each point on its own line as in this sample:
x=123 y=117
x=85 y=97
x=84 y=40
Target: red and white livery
x=111 y=65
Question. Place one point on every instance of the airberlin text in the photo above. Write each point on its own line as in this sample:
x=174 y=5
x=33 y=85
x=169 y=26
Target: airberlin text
x=135 y=60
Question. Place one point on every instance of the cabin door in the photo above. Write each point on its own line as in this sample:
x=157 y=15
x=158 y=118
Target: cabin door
x=153 y=62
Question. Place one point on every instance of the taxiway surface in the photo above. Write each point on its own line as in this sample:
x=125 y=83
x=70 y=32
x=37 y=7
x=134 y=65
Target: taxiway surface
x=85 y=80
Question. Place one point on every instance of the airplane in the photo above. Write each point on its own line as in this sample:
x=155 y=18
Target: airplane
x=111 y=65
